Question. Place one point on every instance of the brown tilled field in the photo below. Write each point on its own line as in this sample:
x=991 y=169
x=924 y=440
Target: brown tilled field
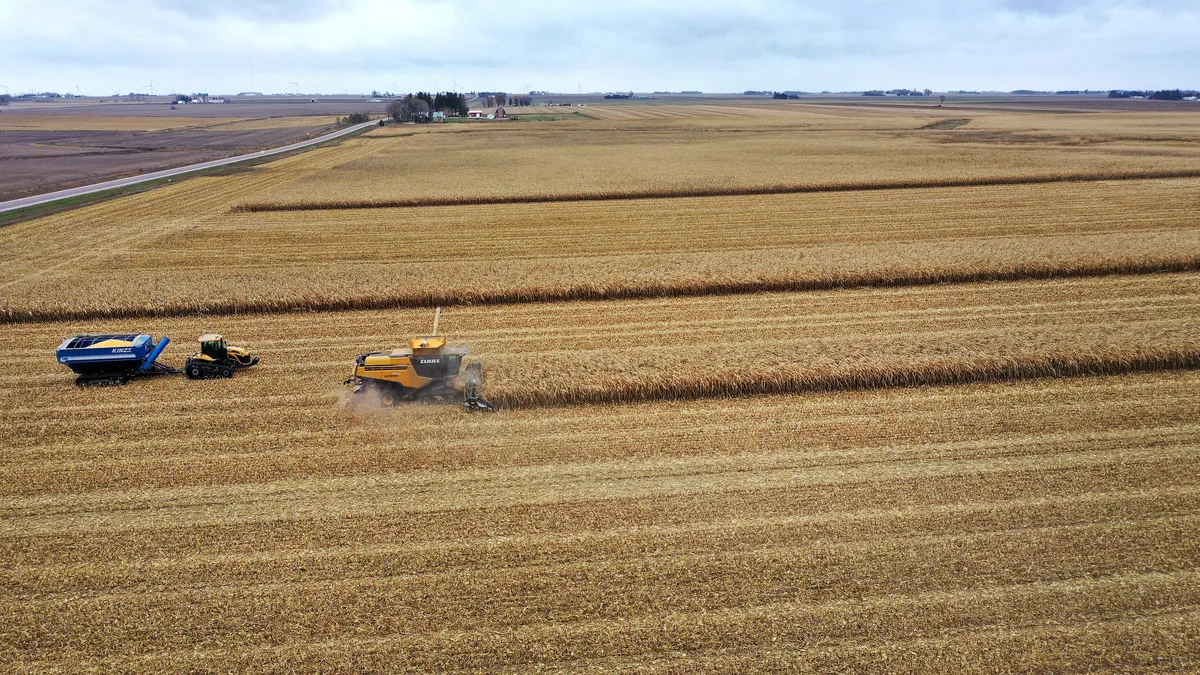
x=54 y=147
x=912 y=429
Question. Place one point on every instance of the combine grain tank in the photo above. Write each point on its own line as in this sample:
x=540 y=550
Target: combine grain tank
x=109 y=359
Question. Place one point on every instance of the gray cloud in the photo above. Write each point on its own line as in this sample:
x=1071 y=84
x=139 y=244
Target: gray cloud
x=713 y=45
x=286 y=11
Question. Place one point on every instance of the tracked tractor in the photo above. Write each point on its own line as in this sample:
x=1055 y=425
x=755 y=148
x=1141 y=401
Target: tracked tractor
x=427 y=371
x=217 y=359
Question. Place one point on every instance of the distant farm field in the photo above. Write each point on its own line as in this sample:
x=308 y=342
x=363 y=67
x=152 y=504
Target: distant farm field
x=817 y=386
x=34 y=122
x=47 y=149
x=658 y=158
x=335 y=259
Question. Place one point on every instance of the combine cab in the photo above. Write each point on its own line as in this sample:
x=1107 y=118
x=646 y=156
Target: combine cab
x=110 y=359
x=427 y=371
x=217 y=359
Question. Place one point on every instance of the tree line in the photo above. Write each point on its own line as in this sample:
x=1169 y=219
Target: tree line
x=419 y=107
x=492 y=99
x=898 y=92
x=1161 y=95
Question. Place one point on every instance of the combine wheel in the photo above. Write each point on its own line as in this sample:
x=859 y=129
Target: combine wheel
x=388 y=399
x=195 y=372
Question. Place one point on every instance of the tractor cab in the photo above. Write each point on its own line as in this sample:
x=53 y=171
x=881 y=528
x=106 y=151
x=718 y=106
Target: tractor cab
x=213 y=346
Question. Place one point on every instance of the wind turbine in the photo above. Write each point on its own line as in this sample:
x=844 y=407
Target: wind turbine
x=150 y=86
x=580 y=90
x=5 y=88
x=297 y=87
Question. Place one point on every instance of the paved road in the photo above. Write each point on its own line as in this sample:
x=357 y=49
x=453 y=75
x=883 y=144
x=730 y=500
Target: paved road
x=167 y=173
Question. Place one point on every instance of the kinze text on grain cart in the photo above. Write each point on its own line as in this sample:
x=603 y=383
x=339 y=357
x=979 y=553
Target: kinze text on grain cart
x=116 y=358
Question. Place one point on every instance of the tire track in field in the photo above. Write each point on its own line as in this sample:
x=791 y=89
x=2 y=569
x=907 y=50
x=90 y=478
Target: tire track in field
x=49 y=582
x=433 y=491
x=906 y=620
x=631 y=589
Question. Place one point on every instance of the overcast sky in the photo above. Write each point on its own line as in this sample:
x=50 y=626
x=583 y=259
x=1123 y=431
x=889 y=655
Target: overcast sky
x=336 y=46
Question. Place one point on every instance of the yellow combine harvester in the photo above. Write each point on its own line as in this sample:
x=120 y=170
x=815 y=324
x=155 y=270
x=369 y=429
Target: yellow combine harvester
x=427 y=371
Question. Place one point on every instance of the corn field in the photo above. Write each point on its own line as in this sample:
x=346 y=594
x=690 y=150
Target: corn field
x=418 y=202
x=133 y=264
x=941 y=429
x=750 y=155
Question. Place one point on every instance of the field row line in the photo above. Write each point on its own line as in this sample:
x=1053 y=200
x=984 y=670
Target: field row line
x=914 y=616
x=644 y=588
x=365 y=496
x=969 y=370
x=679 y=193
x=633 y=291
x=797 y=540
x=71 y=581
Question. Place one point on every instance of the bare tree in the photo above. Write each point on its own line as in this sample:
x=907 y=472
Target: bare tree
x=420 y=110
x=408 y=109
x=4 y=99
x=395 y=109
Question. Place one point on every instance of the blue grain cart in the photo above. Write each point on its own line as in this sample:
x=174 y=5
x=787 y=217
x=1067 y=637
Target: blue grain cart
x=107 y=359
